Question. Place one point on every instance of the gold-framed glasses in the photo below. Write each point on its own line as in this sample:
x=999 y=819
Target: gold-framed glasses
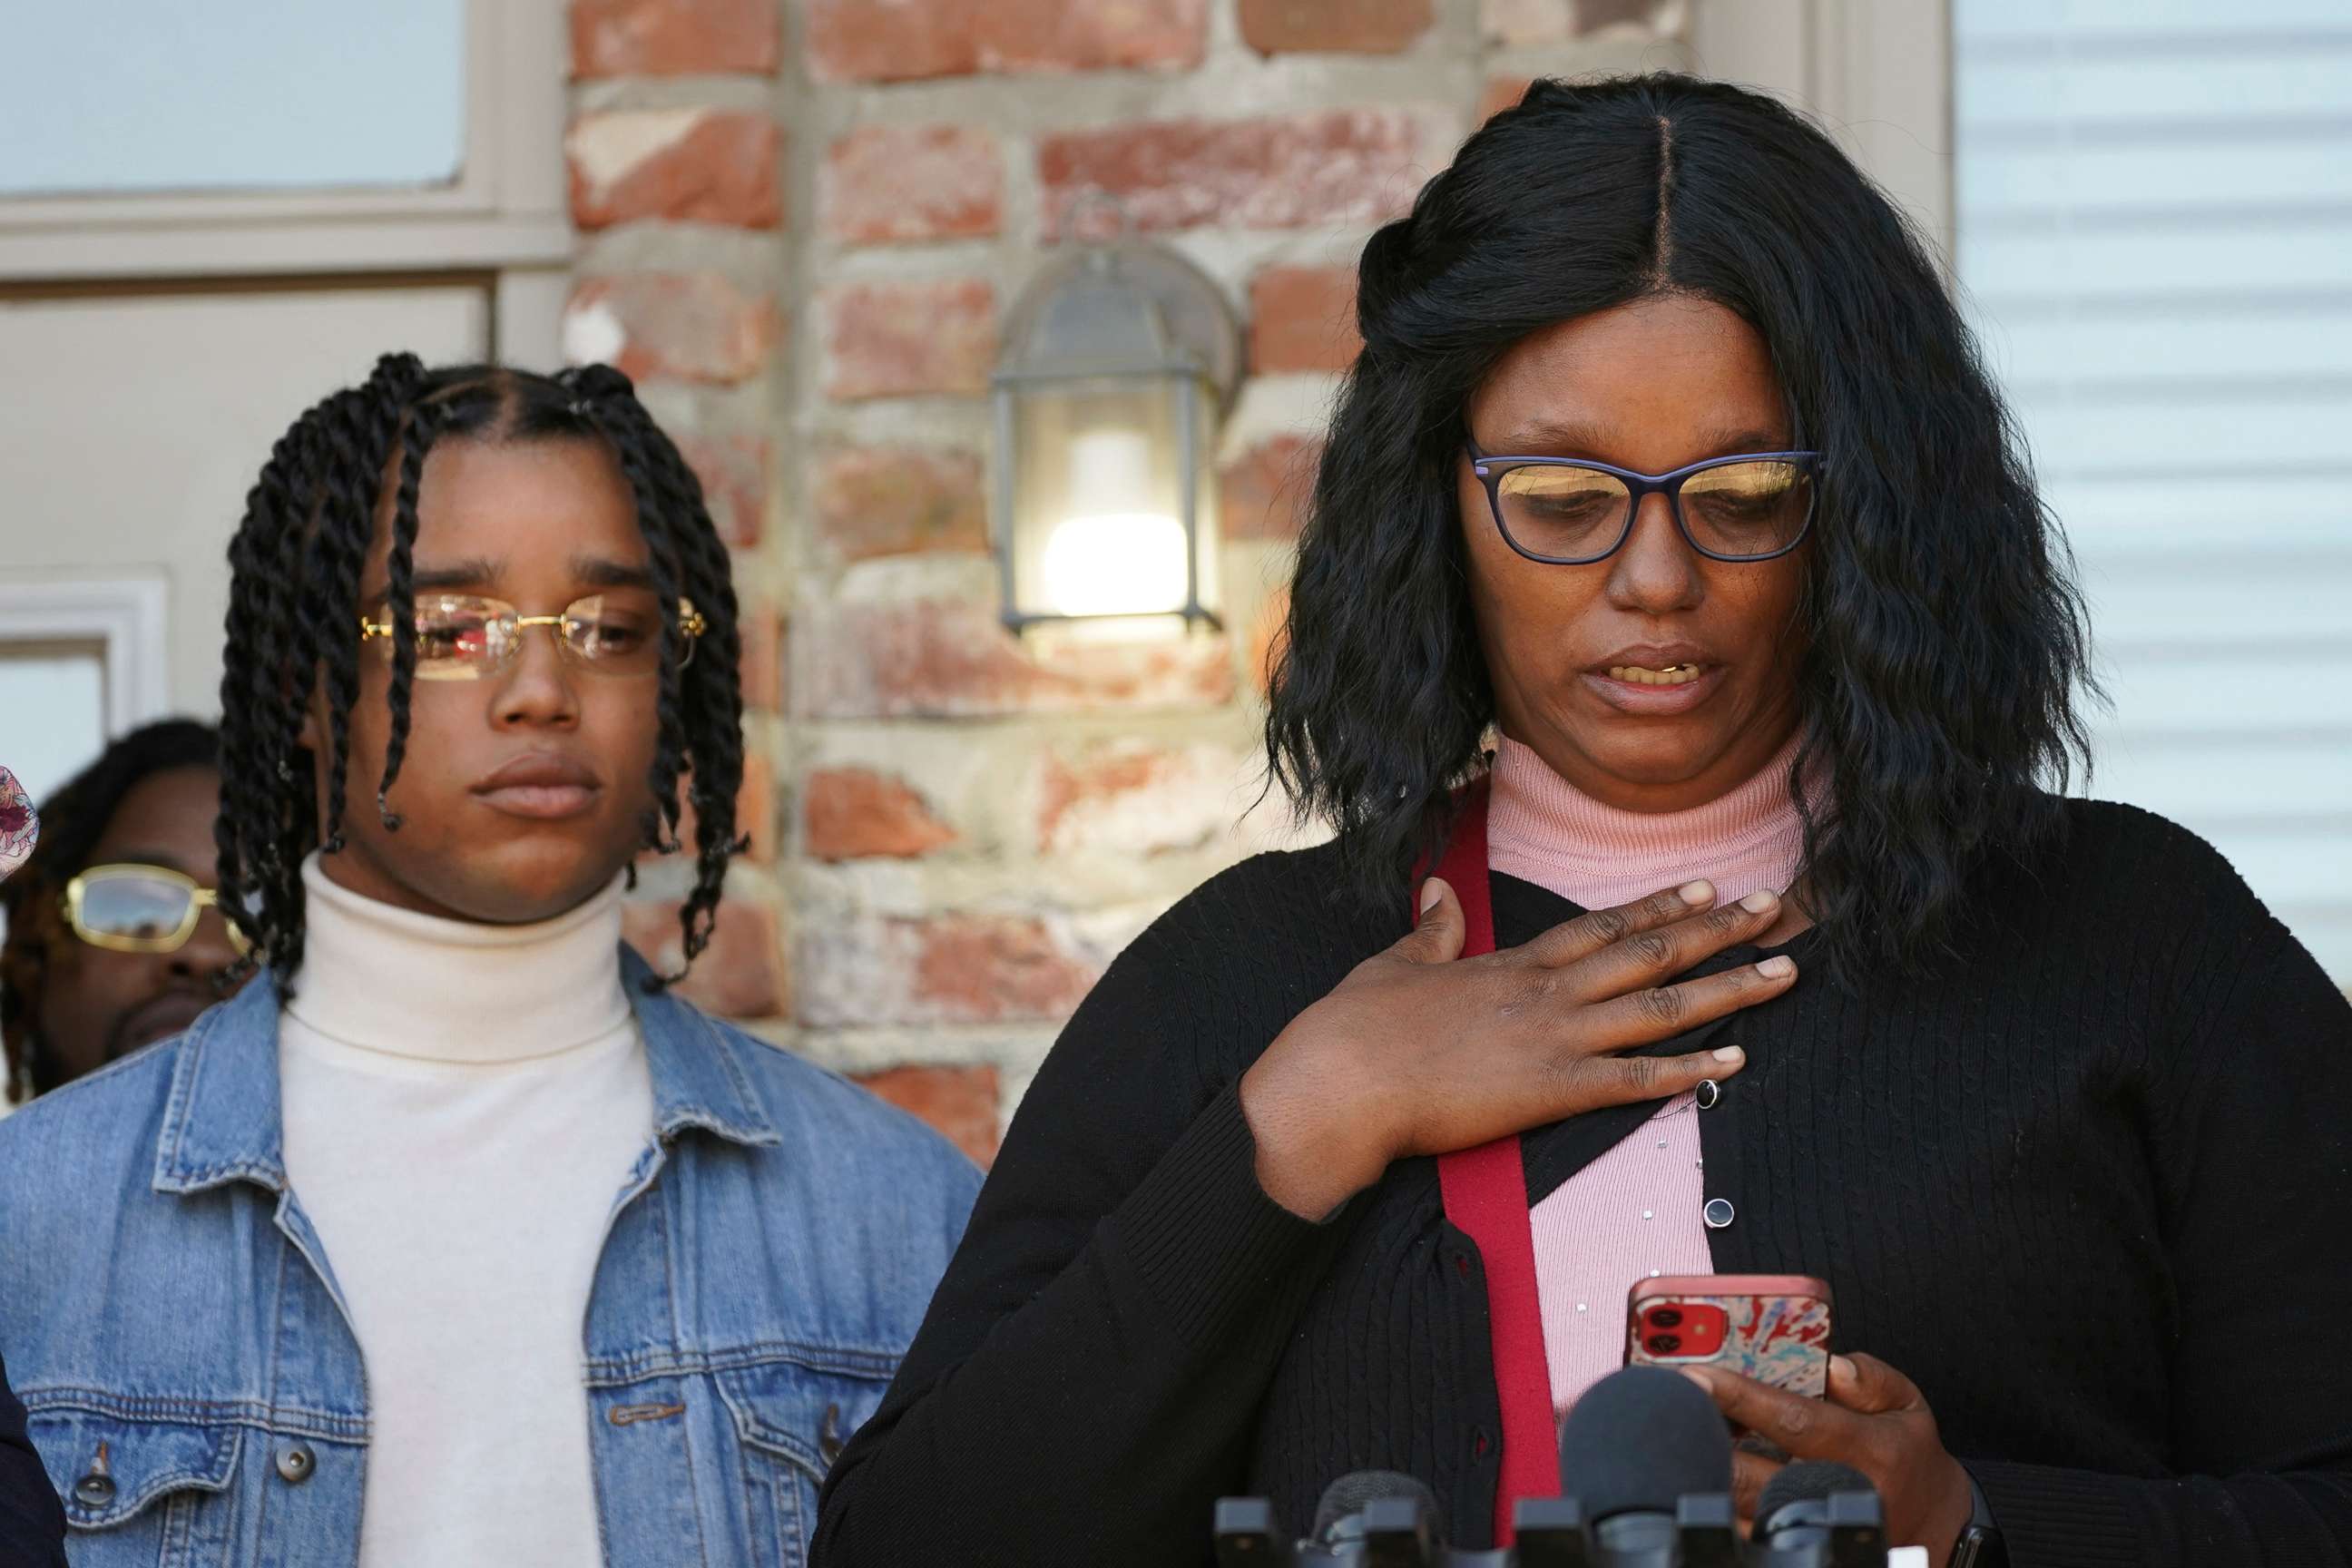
x=131 y=908
x=465 y=637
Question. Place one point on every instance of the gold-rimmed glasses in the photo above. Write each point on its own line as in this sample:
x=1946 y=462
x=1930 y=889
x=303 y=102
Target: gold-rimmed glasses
x=128 y=907
x=465 y=637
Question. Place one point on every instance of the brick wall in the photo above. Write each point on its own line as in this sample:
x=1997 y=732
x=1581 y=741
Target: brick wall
x=800 y=224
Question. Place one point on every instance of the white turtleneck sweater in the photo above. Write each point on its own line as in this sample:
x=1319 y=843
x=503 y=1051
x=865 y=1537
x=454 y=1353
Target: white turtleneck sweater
x=463 y=1103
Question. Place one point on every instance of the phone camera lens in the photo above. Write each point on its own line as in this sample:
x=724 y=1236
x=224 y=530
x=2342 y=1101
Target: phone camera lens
x=1667 y=1317
x=1665 y=1345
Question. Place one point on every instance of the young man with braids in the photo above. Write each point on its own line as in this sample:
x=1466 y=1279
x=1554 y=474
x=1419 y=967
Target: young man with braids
x=456 y=1239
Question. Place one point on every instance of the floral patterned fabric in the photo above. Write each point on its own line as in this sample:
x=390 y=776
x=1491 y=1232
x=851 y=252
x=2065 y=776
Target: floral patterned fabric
x=20 y=827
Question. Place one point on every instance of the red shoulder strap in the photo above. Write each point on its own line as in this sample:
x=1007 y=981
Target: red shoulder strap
x=1486 y=1192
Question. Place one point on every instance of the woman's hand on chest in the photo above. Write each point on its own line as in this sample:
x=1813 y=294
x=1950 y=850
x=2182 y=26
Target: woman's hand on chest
x=1422 y=1051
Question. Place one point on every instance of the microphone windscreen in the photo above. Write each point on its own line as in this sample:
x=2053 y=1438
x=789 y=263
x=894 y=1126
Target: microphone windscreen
x=1351 y=1492
x=1638 y=1440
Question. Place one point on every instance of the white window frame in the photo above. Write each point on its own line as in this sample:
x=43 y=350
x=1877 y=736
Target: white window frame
x=506 y=213
x=1878 y=73
x=124 y=616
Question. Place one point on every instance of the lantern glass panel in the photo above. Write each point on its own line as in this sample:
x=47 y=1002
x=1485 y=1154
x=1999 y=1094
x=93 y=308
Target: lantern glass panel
x=1099 y=493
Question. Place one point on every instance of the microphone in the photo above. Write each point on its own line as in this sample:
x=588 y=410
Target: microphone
x=1640 y=1440
x=1341 y=1515
x=1824 y=1515
x=1375 y=1519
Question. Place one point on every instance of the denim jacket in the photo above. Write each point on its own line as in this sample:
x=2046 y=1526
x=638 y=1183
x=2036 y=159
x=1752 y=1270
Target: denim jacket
x=174 y=1327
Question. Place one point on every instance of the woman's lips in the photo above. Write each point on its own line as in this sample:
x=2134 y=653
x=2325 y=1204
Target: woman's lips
x=1656 y=701
x=543 y=801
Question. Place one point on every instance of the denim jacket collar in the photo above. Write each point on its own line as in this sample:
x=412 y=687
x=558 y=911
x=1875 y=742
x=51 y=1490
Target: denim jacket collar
x=222 y=1122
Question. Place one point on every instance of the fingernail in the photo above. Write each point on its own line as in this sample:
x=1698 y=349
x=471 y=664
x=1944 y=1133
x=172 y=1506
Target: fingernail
x=1776 y=968
x=1696 y=893
x=1729 y=1054
x=1756 y=902
x=1841 y=1367
x=1429 y=894
x=1695 y=1375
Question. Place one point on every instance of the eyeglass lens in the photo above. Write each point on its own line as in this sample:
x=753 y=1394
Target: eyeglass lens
x=142 y=909
x=1570 y=513
x=136 y=908
x=460 y=636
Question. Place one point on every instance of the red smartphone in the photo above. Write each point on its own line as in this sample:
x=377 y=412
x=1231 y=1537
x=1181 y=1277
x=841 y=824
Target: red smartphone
x=1775 y=1328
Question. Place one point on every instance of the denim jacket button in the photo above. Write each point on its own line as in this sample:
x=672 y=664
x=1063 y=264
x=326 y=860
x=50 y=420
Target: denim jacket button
x=295 y=1463
x=94 y=1490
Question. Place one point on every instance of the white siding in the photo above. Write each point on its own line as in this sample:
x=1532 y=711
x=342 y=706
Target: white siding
x=2154 y=206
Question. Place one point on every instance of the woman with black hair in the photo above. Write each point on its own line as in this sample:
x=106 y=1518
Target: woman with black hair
x=1669 y=535
x=457 y=1238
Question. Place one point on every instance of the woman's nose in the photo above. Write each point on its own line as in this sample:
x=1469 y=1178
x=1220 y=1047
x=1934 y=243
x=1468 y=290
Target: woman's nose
x=1656 y=570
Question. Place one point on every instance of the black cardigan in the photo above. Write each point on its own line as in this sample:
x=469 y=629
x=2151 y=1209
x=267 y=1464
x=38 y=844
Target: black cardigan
x=2086 y=1184
x=32 y=1519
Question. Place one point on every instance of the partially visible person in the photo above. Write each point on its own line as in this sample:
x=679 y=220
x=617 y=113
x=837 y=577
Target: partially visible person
x=32 y=1523
x=112 y=941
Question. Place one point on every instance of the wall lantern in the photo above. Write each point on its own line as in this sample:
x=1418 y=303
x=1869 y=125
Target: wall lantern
x=1118 y=363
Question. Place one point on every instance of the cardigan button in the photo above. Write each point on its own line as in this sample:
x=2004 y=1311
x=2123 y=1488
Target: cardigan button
x=1718 y=1213
x=1707 y=1092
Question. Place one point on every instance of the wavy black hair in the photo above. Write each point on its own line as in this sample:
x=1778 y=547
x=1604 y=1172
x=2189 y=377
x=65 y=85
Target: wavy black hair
x=1949 y=644
x=294 y=615
x=73 y=819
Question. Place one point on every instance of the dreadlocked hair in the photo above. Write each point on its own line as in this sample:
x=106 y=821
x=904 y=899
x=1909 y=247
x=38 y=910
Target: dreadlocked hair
x=73 y=819
x=295 y=612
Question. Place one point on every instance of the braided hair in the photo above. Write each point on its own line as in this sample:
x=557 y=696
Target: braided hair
x=73 y=819
x=294 y=615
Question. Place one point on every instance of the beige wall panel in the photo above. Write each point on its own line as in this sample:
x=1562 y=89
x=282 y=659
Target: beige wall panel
x=131 y=426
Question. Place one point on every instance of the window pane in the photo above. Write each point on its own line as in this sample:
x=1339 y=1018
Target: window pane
x=2155 y=214
x=160 y=95
x=53 y=711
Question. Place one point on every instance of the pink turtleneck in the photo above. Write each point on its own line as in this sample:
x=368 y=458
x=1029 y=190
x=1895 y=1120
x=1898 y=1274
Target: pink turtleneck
x=1635 y=1211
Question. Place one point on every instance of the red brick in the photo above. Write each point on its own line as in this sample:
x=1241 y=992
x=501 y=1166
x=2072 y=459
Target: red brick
x=674 y=38
x=763 y=667
x=734 y=471
x=1264 y=491
x=1345 y=26
x=1131 y=798
x=740 y=975
x=899 y=500
x=1502 y=92
x=952 y=658
x=890 y=183
x=961 y=967
x=684 y=166
x=1348 y=165
x=960 y=1103
x=900 y=40
x=1303 y=318
x=695 y=326
x=986 y=969
x=856 y=814
x=755 y=812
x=899 y=339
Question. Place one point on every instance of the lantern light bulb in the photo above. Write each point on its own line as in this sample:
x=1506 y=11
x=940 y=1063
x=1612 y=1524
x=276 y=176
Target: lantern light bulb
x=1107 y=557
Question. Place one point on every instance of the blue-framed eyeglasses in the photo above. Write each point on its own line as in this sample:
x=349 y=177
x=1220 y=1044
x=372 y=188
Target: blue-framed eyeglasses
x=1563 y=512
